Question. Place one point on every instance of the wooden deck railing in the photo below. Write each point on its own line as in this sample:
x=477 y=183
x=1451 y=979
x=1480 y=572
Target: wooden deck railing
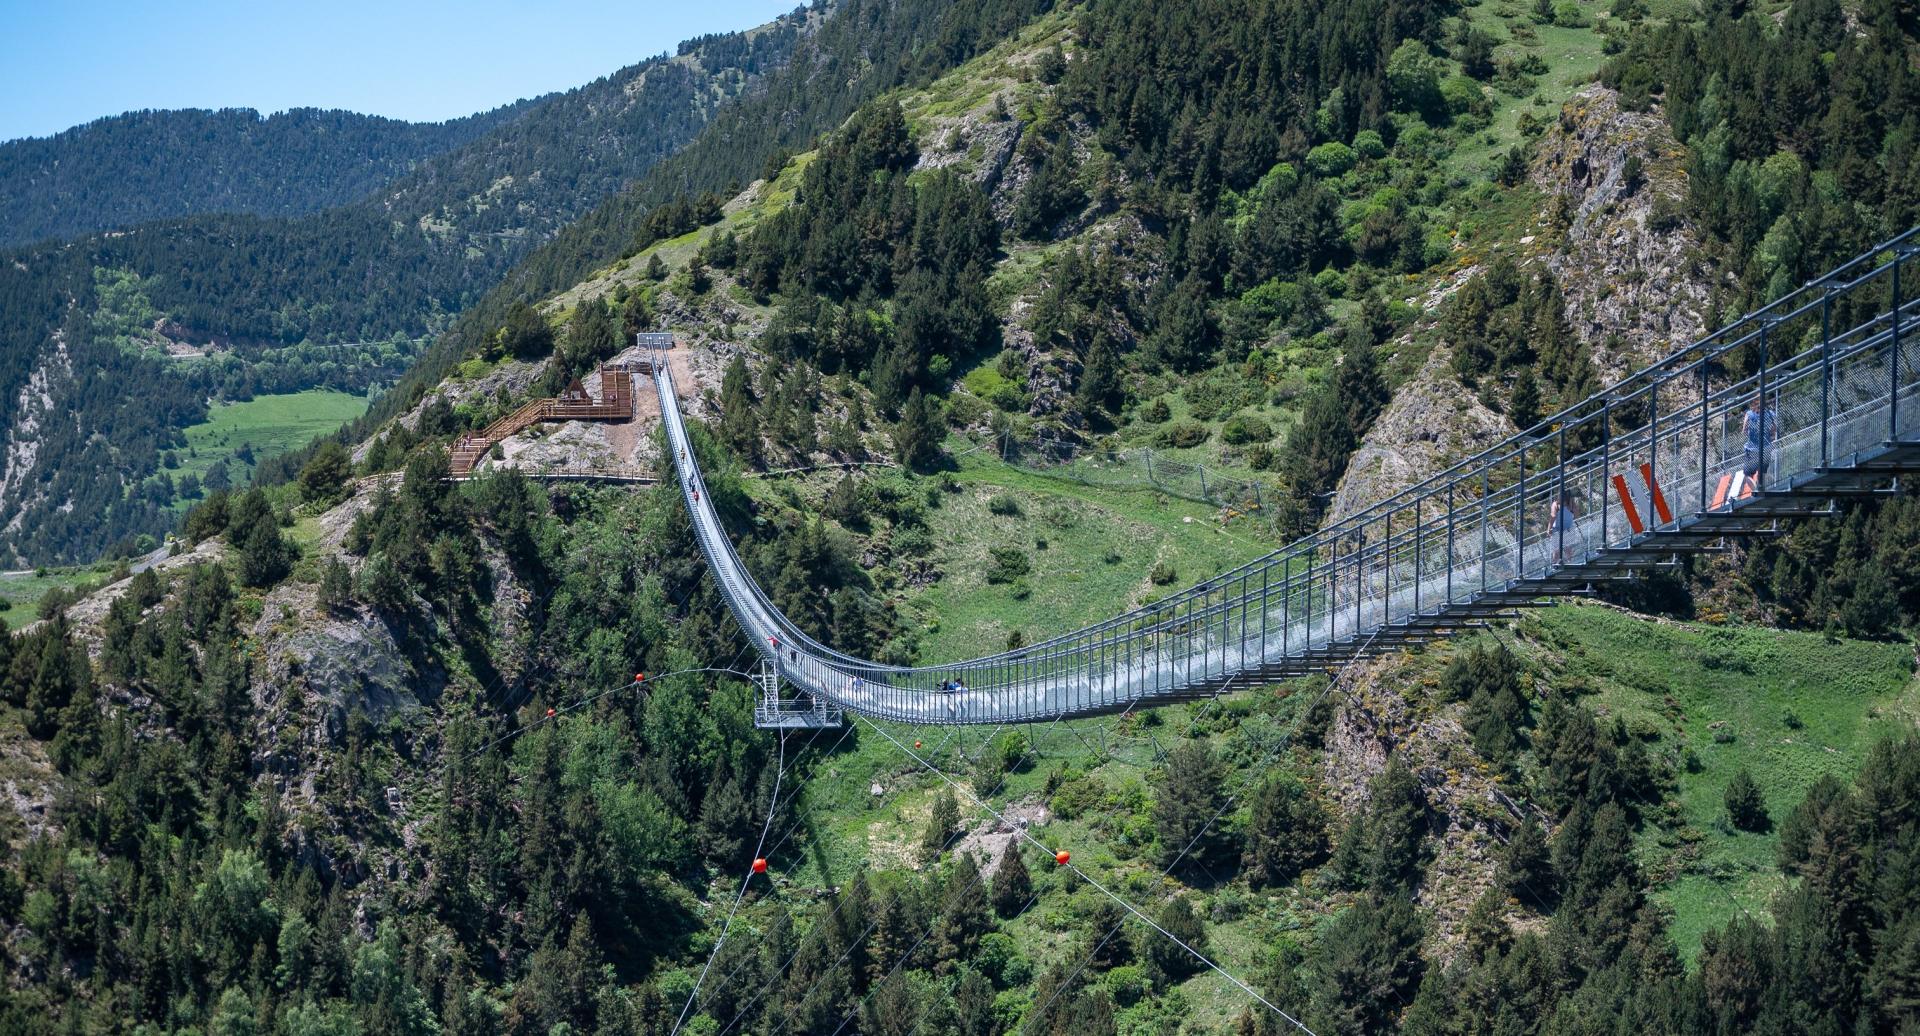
x=616 y=403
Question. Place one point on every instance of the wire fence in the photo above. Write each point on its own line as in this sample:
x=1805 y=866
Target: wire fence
x=1140 y=467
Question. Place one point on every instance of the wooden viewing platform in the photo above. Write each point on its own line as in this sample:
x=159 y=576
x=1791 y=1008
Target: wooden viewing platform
x=616 y=403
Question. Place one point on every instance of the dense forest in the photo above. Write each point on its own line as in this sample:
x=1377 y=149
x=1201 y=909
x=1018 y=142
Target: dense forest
x=532 y=807
x=864 y=49
x=553 y=883
x=1803 y=136
x=142 y=166
x=264 y=290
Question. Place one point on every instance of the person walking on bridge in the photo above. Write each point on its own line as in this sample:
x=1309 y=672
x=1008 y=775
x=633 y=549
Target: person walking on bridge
x=1560 y=523
x=1762 y=428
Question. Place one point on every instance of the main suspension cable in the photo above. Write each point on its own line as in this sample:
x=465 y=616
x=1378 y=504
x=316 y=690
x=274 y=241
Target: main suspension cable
x=773 y=800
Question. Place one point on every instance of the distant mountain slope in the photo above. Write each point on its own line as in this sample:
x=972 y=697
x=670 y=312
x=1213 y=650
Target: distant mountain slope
x=335 y=298
x=147 y=165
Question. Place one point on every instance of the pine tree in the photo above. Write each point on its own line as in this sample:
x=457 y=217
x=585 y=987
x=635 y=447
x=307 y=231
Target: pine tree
x=1099 y=374
x=739 y=419
x=1746 y=808
x=336 y=585
x=591 y=337
x=1526 y=868
x=1186 y=804
x=1167 y=963
x=916 y=436
x=1012 y=884
x=964 y=917
x=254 y=530
x=942 y=822
x=1380 y=849
x=1365 y=966
x=1286 y=832
x=1184 y=335
x=1524 y=406
x=325 y=473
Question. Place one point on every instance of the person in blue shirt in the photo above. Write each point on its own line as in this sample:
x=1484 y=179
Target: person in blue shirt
x=1762 y=428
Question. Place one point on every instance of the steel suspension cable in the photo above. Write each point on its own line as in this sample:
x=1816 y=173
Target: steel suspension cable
x=1089 y=879
x=746 y=881
x=1272 y=751
x=1035 y=896
x=1032 y=748
x=839 y=904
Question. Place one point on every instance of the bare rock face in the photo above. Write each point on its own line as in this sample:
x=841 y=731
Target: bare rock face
x=1632 y=272
x=1631 y=268
x=1384 y=712
x=979 y=145
x=1431 y=423
x=347 y=662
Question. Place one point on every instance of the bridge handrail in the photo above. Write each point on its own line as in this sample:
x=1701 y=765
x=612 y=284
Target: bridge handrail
x=1363 y=561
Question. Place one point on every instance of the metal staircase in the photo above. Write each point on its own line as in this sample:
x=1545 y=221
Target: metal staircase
x=1652 y=467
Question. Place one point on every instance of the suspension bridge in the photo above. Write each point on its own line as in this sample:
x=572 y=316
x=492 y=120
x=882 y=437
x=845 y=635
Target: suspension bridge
x=1659 y=464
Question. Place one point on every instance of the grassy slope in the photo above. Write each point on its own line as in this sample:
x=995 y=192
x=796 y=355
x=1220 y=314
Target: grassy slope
x=22 y=590
x=1714 y=700
x=1073 y=583
x=1675 y=684
x=1844 y=693
x=270 y=424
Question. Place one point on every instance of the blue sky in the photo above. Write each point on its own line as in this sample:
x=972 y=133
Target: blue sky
x=65 y=62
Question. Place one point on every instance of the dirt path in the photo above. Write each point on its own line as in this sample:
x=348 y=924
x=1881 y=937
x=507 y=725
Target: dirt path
x=631 y=441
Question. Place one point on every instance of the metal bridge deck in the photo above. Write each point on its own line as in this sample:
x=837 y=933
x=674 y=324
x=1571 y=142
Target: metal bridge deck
x=1652 y=467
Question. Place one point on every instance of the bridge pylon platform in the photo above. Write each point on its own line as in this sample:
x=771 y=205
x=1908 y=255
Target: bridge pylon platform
x=800 y=711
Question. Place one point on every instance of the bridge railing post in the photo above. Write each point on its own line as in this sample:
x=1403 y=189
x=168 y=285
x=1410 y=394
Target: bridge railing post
x=1893 y=352
x=1705 y=428
x=1606 y=462
x=1826 y=370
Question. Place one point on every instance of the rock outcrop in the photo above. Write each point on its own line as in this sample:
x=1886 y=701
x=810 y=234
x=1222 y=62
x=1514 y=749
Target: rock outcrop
x=1631 y=268
x=1430 y=423
x=1384 y=710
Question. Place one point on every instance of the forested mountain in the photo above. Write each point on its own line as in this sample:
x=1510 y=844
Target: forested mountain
x=382 y=752
x=335 y=299
x=126 y=169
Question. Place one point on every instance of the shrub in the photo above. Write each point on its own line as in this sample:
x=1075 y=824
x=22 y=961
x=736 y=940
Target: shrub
x=1163 y=573
x=1009 y=564
x=1330 y=159
x=1183 y=435
x=1004 y=505
x=1156 y=412
x=1746 y=809
x=1246 y=428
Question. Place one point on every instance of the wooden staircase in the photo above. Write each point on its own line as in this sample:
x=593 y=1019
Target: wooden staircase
x=616 y=403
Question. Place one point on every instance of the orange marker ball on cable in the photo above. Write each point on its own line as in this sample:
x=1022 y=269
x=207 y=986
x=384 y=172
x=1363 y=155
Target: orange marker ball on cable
x=916 y=744
x=1062 y=857
x=550 y=713
x=759 y=865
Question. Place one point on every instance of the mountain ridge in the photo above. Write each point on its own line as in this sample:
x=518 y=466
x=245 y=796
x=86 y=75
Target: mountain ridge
x=151 y=164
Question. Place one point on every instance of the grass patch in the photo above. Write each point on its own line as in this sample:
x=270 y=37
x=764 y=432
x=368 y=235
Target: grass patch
x=1789 y=707
x=266 y=425
x=22 y=590
x=1100 y=545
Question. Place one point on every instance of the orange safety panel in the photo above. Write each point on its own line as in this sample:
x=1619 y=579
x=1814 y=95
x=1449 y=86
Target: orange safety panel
x=1626 y=504
x=1659 y=498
